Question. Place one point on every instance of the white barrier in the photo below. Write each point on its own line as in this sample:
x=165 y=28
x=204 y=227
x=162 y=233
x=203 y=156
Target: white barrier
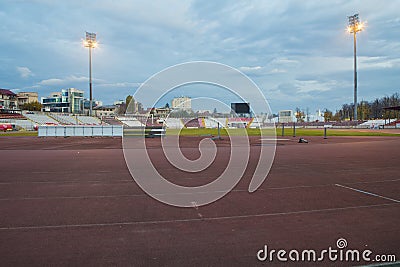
x=156 y=132
x=80 y=130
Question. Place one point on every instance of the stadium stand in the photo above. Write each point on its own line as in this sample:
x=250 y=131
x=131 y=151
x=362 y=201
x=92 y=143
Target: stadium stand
x=372 y=124
x=12 y=116
x=133 y=123
x=256 y=123
x=41 y=119
x=320 y=124
x=87 y=120
x=111 y=121
x=17 y=120
x=210 y=123
x=240 y=122
x=174 y=123
x=202 y=123
x=394 y=123
x=65 y=119
x=222 y=121
x=191 y=123
x=20 y=123
x=130 y=121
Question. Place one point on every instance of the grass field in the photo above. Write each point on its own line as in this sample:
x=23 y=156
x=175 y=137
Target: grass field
x=19 y=133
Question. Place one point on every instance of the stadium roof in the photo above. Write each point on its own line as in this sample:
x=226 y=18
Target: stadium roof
x=105 y=107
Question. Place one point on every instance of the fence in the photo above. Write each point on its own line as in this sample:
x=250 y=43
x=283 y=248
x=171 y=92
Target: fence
x=80 y=130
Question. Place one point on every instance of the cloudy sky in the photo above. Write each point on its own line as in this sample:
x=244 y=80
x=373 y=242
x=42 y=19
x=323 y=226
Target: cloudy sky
x=298 y=52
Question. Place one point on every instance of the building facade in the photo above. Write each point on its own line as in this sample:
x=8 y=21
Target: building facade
x=27 y=97
x=285 y=116
x=134 y=107
x=182 y=103
x=67 y=101
x=8 y=100
x=105 y=111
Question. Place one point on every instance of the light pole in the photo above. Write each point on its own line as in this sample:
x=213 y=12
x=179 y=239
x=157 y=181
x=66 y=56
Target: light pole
x=355 y=26
x=90 y=42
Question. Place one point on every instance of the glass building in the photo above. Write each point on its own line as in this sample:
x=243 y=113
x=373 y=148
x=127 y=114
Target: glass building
x=67 y=101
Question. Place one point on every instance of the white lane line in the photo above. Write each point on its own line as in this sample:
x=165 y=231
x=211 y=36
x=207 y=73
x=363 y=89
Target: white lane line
x=143 y=194
x=274 y=139
x=131 y=180
x=193 y=219
x=73 y=197
x=392 y=263
x=368 y=193
x=194 y=204
x=372 y=182
x=66 y=182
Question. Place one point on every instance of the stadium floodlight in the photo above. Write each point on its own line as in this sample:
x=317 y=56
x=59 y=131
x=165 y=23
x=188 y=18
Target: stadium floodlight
x=90 y=42
x=355 y=26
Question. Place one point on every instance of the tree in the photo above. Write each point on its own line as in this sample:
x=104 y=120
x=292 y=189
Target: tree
x=364 y=109
x=32 y=106
x=128 y=100
x=373 y=109
x=327 y=115
x=299 y=115
x=215 y=111
x=337 y=116
x=179 y=114
x=130 y=107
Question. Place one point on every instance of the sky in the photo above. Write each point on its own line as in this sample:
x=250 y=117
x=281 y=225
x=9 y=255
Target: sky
x=297 y=52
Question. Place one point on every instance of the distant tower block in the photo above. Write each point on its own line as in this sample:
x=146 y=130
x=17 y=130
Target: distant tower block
x=182 y=103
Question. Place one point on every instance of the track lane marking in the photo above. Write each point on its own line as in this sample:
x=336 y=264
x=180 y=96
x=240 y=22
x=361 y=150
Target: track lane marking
x=143 y=194
x=193 y=219
x=368 y=193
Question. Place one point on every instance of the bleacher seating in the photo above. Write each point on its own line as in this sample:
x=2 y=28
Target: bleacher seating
x=112 y=121
x=133 y=123
x=41 y=119
x=222 y=121
x=319 y=124
x=25 y=124
x=393 y=122
x=174 y=123
x=256 y=123
x=87 y=120
x=144 y=120
x=130 y=121
x=65 y=119
x=372 y=124
x=239 y=122
x=191 y=123
x=210 y=123
x=13 y=116
x=346 y=123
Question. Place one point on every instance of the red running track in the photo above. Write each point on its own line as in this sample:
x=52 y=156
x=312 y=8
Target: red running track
x=72 y=201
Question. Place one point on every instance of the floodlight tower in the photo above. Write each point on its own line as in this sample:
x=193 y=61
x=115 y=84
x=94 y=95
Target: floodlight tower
x=355 y=26
x=90 y=42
